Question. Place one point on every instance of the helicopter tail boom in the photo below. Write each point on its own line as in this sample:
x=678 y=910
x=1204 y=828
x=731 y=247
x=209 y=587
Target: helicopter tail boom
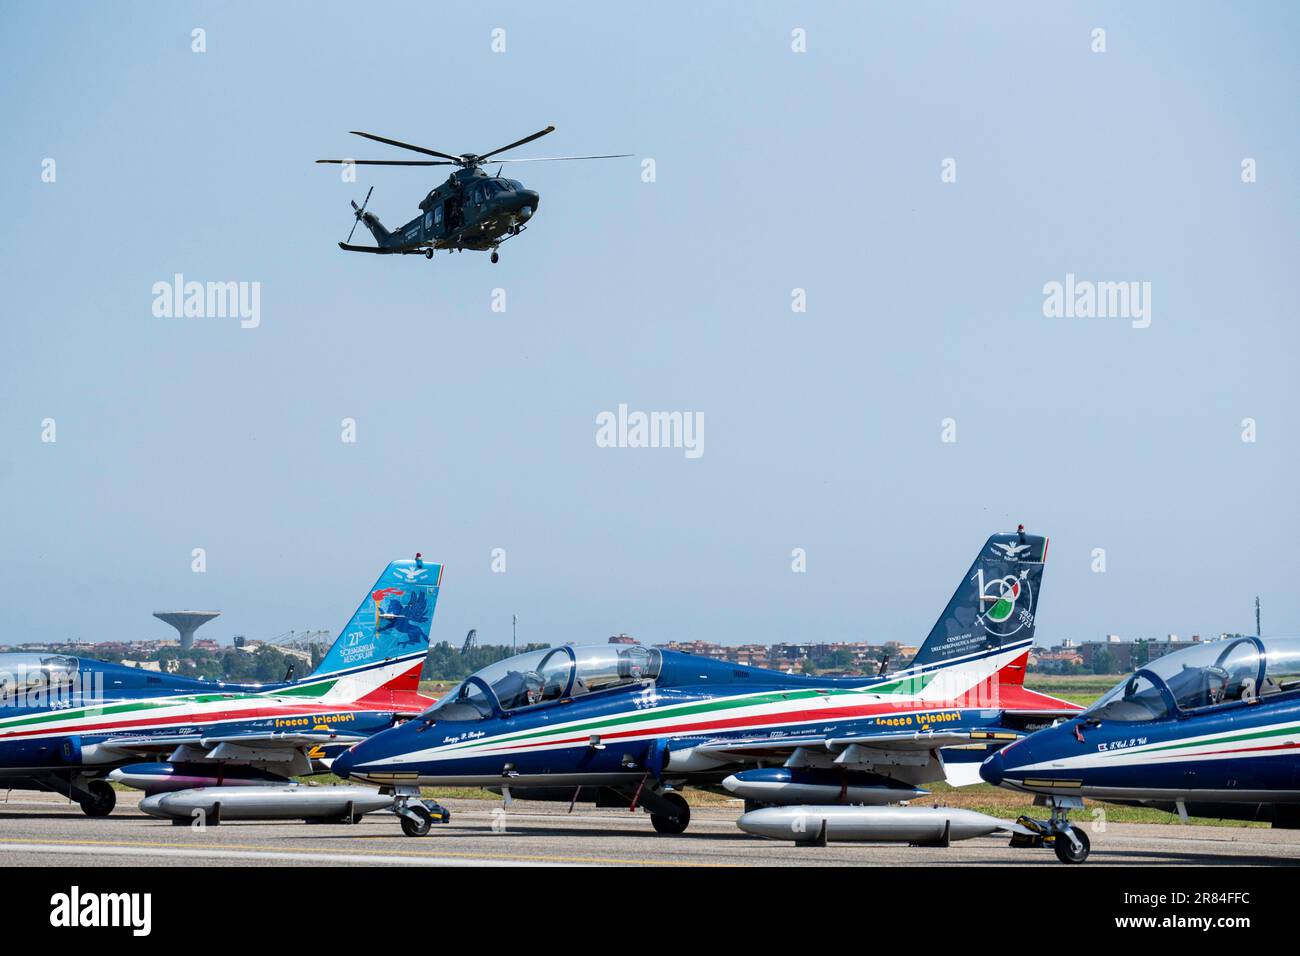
x=372 y=222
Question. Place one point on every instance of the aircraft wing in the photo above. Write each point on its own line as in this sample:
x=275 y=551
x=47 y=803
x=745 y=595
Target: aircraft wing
x=290 y=753
x=909 y=757
x=280 y=741
x=272 y=740
x=143 y=743
x=765 y=749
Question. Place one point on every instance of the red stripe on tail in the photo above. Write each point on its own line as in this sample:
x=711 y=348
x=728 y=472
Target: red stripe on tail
x=401 y=694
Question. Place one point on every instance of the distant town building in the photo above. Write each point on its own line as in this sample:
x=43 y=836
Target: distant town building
x=1055 y=661
x=1119 y=657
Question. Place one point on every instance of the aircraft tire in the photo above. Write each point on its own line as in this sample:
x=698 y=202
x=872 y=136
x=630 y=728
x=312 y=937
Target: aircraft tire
x=421 y=828
x=103 y=798
x=664 y=824
x=1066 y=853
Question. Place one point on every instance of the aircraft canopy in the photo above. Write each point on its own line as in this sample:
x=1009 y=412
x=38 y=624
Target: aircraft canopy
x=1203 y=675
x=551 y=674
x=24 y=673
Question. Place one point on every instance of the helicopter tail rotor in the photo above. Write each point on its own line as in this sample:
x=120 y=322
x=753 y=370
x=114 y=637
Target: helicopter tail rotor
x=359 y=211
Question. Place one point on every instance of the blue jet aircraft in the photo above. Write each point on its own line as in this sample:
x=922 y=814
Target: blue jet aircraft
x=1212 y=730
x=70 y=725
x=626 y=725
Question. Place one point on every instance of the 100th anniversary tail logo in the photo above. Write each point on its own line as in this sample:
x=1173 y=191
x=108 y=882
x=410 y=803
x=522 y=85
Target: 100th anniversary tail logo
x=77 y=909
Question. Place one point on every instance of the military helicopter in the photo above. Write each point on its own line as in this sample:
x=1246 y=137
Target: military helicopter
x=471 y=210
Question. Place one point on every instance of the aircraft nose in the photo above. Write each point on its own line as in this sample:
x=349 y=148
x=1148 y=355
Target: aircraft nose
x=526 y=203
x=992 y=769
x=344 y=763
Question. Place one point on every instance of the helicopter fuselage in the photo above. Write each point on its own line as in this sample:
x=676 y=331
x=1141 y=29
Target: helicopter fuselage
x=471 y=210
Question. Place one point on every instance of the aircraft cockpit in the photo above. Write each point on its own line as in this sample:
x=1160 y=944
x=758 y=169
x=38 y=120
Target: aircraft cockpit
x=1233 y=670
x=543 y=677
x=32 y=673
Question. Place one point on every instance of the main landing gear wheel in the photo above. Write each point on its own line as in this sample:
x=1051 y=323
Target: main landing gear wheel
x=1065 y=849
x=665 y=824
x=102 y=800
x=420 y=827
x=428 y=254
x=495 y=257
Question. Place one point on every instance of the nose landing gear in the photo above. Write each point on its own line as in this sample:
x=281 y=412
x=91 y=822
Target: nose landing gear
x=1069 y=843
x=495 y=257
x=417 y=815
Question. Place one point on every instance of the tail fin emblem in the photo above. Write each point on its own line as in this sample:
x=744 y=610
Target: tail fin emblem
x=1012 y=550
x=998 y=600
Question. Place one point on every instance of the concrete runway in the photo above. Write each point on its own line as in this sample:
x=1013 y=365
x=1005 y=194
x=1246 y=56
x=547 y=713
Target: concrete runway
x=44 y=830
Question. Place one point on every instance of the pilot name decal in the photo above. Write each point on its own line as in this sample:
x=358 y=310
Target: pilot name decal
x=461 y=737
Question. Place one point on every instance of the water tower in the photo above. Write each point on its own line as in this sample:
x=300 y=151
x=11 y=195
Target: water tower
x=186 y=622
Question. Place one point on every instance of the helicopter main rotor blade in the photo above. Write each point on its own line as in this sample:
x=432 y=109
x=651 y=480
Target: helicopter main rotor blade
x=389 y=162
x=398 y=143
x=519 y=142
x=552 y=159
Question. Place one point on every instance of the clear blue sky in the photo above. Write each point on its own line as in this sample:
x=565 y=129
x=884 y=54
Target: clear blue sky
x=775 y=170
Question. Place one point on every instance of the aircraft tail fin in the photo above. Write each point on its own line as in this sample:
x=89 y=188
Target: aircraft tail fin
x=391 y=625
x=993 y=606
